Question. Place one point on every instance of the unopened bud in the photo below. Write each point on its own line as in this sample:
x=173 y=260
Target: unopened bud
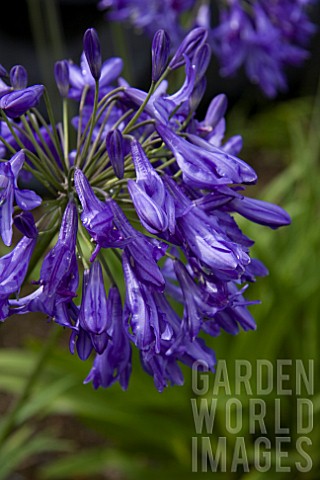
x=92 y=51
x=61 y=75
x=160 y=54
x=114 y=144
x=18 y=77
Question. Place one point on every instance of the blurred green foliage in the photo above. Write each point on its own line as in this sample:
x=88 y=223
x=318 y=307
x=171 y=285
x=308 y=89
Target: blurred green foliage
x=141 y=434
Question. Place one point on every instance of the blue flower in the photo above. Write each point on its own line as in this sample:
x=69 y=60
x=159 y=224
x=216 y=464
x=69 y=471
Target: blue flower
x=94 y=315
x=258 y=39
x=59 y=272
x=96 y=216
x=81 y=77
x=13 y=269
x=115 y=149
x=140 y=310
x=114 y=364
x=9 y=190
x=18 y=102
x=143 y=252
x=160 y=53
x=61 y=75
x=204 y=165
x=92 y=51
x=153 y=203
x=155 y=191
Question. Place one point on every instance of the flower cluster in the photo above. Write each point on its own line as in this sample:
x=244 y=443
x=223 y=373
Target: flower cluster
x=262 y=36
x=136 y=214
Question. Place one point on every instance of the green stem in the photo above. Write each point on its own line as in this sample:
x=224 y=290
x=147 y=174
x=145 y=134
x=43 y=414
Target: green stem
x=80 y=162
x=94 y=148
x=52 y=122
x=66 y=164
x=141 y=124
x=10 y=421
x=140 y=110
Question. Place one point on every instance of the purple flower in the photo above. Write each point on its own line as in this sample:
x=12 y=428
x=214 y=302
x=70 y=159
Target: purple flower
x=59 y=271
x=175 y=345
x=91 y=48
x=25 y=223
x=150 y=15
x=18 y=77
x=96 y=215
x=61 y=75
x=114 y=364
x=13 y=269
x=142 y=318
x=206 y=238
x=94 y=314
x=80 y=77
x=115 y=149
x=26 y=199
x=262 y=36
x=17 y=103
x=260 y=212
x=215 y=113
x=80 y=340
x=143 y=252
x=259 y=39
x=199 y=302
x=235 y=314
x=150 y=163
x=153 y=203
x=160 y=54
x=203 y=165
x=195 y=39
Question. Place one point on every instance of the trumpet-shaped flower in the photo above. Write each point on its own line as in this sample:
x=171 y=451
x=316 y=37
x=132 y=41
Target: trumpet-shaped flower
x=9 y=190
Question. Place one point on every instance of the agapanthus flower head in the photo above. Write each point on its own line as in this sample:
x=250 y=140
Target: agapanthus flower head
x=258 y=39
x=145 y=183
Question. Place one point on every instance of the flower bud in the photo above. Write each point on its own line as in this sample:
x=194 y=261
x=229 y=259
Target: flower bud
x=197 y=94
x=25 y=223
x=160 y=54
x=261 y=212
x=91 y=47
x=61 y=75
x=18 y=77
x=189 y=44
x=16 y=103
x=94 y=315
x=114 y=144
x=216 y=110
x=201 y=60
